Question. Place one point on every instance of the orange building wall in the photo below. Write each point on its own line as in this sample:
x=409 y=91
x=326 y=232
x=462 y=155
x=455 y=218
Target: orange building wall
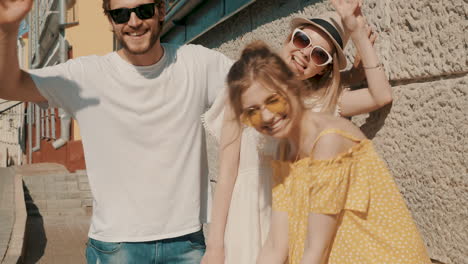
x=91 y=36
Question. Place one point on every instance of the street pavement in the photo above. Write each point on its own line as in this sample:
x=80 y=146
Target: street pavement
x=56 y=239
x=57 y=225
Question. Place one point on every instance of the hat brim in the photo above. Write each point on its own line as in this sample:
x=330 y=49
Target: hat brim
x=299 y=21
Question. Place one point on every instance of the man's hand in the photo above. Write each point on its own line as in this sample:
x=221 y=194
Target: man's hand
x=12 y=12
x=213 y=256
x=16 y=84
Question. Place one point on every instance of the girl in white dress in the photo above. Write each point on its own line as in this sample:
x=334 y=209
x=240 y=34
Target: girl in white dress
x=242 y=200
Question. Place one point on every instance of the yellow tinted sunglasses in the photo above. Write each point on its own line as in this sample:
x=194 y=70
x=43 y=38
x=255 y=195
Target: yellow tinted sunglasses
x=275 y=103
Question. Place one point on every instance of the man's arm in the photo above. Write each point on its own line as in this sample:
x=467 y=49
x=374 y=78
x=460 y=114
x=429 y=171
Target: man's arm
x=15 y=84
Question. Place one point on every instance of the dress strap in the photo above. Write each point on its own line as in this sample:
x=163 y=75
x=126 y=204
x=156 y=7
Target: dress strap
x=336 y=131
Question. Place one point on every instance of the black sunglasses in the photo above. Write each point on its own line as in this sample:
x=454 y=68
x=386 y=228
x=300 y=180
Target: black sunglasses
x=122 y=15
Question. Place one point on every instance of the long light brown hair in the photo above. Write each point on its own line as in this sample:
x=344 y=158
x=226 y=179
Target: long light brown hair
x=259 y=64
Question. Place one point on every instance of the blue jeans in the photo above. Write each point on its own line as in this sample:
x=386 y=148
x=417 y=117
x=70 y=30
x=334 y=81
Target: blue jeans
x=187 y=249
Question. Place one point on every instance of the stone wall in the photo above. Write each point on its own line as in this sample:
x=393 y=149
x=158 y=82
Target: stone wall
x=423 y=135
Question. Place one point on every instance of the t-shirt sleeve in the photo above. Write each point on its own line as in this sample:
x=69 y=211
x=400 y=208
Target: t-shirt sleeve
x=218 y=67
x=60 y=84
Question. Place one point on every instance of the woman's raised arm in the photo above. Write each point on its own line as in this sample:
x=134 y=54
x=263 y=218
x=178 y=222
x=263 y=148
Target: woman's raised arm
x=379 y=92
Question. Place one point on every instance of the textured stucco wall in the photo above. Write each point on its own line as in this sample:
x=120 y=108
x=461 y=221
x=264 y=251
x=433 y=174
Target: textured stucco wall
x=423 y=138
x=423 y=135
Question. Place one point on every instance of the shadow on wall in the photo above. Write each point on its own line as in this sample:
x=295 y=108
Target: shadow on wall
x=375 y=121
x=35 y=238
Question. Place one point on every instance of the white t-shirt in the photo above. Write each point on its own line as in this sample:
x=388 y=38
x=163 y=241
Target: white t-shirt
x=142 y=136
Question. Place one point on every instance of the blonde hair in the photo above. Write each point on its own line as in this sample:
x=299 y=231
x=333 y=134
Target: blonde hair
x=325 y=87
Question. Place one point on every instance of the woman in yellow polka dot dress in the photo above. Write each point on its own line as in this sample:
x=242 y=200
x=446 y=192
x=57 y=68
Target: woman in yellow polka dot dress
x=334 y=200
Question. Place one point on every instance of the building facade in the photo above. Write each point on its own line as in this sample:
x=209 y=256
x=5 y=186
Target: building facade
x=58 y=32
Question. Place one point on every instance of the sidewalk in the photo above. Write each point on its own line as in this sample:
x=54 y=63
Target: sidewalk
x=56 y=239
x=58 y=214
x=7 y=210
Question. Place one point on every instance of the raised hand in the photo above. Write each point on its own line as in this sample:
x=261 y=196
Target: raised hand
x=13 y=11
x=350 y=12
x=356 y=74
x=357 y=65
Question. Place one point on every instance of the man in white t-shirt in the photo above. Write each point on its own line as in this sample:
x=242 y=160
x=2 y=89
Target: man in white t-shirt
x=139 y=113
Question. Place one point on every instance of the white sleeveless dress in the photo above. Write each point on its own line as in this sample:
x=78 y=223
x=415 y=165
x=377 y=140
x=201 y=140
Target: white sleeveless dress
x=248 y=220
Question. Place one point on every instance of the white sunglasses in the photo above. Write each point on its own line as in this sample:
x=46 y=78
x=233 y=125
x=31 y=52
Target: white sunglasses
x=318 y=55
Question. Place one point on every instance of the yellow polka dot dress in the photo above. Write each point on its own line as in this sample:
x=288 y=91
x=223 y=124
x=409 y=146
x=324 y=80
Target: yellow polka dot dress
x=374 y=223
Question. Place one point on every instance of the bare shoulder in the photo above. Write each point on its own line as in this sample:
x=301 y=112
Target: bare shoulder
x=332 y=144
x=329 y=146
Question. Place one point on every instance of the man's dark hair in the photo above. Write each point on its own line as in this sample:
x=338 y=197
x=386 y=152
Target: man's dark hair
x=106 y=5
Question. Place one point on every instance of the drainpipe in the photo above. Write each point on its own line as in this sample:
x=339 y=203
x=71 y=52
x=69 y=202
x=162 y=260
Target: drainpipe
x=20 y=52
x=21 y=135
x=62 y=23
x=21 y=115
x=29 y=109
x=178 y=12
x=65 y=119
x=52 y=125
x=37 y=120
x=37 y=62
x=42 y=122
x=47 y=127
x=34 y=66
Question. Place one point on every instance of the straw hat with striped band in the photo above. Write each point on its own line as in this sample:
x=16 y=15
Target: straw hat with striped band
x=330 y=23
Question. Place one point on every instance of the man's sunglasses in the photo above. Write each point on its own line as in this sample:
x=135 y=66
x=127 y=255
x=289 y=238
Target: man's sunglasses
x=275 y=103
x=318 y=55
x=122 y=15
